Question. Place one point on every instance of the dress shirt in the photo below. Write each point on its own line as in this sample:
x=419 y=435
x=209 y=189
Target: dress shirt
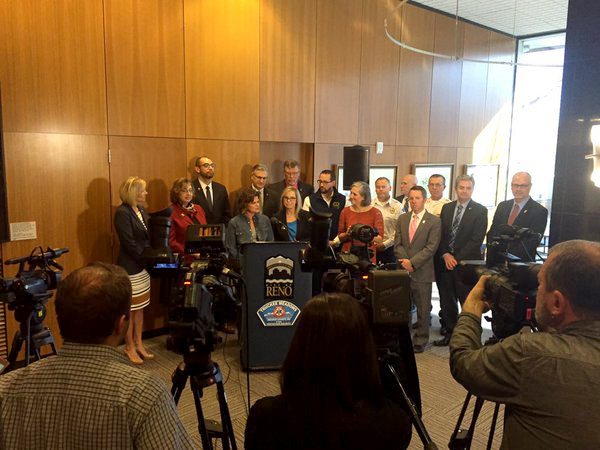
x=462 y=213
x=521 y=204
x=419 y=215
x=261 y=194
x=391 y=210
x=88 y=396
x=435 y=206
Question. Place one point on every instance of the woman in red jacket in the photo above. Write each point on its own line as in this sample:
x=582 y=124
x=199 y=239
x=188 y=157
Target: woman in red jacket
x=184 y=213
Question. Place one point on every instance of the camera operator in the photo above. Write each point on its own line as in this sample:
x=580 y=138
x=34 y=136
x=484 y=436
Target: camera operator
x=332 y=396
x=549 y=381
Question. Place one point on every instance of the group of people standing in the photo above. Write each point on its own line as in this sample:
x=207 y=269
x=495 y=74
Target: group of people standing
x=426 y=235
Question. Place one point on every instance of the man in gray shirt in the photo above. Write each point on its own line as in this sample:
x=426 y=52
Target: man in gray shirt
x=549 y=381
x=89 y=395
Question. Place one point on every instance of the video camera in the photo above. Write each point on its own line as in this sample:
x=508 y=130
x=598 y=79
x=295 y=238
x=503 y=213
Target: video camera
x=200 y=303
x=511 y=290
x=27 y=294
x=384 y=293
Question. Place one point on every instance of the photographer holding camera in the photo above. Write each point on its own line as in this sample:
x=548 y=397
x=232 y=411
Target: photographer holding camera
x=549 y=381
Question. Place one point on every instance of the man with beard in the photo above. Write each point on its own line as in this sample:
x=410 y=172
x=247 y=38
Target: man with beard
x=549 y=381
x=210 y=195
x=327 y=200
x=89 y=396
x=291 y=178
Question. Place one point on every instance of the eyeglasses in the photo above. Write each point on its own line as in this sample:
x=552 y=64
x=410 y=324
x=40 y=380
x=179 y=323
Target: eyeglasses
x=207 y=165
x=324 y=182
x=289 y=198
x=189 y=190
x=520 y=186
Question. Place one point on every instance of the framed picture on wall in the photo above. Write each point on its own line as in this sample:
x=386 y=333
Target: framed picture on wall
x=424 y=171
x=486 y=182
x=374 y=172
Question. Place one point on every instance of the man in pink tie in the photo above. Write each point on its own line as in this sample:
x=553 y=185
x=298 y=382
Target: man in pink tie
x=520 y=212
x=417 y=238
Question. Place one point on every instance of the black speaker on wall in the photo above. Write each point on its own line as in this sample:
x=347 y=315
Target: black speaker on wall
x=356 y=165
x=4 y=231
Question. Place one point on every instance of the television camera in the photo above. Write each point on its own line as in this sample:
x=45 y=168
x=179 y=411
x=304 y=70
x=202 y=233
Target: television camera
x=27 y=295
x=513 y=284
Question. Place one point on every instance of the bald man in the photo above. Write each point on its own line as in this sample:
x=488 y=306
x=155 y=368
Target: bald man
x=408 y=181
x=521 y=212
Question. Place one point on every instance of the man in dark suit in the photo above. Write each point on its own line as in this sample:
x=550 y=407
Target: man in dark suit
x=408 y=181
x=269 y=200
x=417 y=239
x=291 y=177
x=521 y=212
x=464 y=223
x=210 y=195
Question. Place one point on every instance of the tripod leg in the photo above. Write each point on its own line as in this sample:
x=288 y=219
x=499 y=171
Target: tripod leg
x=476 y=411
x=15 y=348
x=228 y=435
x=197 y=390
x=493 y=426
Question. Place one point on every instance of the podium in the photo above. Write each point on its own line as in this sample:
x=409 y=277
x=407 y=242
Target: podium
x=277 y=291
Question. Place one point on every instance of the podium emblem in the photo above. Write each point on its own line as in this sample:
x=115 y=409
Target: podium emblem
x=279 y=278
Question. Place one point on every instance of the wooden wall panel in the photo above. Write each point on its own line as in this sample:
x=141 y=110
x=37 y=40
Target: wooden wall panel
x=474 y=85
x=443 y=155
x=287 y=70
x=144 y=68
x=380 y=59
x=159 y=161
x=338 y=70
x=414 y=91
x=446 y=83
x=328 y=155
x=52 y=66
x=61 y=183
x=221 y=61
x=233 y=159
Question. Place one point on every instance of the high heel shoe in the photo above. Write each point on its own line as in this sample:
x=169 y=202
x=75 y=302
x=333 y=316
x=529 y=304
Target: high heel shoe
x=134 y=358
x=145 y=353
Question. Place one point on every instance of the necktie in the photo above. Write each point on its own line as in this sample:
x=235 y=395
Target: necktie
x=513 y=214
x=405 y=207
x=209 y=198
x=412 y=229
x=455 y=225
x=260 y=199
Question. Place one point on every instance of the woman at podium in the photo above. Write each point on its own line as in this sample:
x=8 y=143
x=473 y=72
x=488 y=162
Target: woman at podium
x=291 y=222
x=248 y=226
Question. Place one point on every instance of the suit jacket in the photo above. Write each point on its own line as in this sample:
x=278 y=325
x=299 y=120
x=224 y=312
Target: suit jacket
x=305 y=189
x=421 y=250
x=400 y=198
x=470 y=234
x=281 y=232
x=133 y=238
x=533 y=216
x=220 y=210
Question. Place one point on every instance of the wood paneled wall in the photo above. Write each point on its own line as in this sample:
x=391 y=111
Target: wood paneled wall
x=160 y=82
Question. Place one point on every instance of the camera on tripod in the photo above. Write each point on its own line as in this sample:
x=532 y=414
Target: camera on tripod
x=27 y=294
x=511 y=290
x=200 y=303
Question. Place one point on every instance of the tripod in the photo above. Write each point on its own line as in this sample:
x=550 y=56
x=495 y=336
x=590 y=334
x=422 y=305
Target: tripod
x=461 y=439
x=202 y=373
x=32 y=332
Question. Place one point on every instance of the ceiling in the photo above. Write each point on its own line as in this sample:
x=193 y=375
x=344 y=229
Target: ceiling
x=514 y=17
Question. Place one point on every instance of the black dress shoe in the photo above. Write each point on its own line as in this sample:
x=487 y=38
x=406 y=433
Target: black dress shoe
x=442 y=342
x=418 y=348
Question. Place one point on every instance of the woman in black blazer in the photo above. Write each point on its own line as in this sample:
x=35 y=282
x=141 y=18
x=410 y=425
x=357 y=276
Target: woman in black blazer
x=291 y=222
x=131 y=224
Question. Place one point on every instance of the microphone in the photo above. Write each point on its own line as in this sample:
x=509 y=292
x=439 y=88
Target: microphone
x=231 y=274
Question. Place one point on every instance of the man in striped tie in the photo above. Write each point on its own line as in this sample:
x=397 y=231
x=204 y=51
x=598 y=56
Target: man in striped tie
x=464 y=223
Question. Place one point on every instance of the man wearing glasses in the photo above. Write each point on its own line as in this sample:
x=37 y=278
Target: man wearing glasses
x=210 y=195
x=327 y=200
x=520 y=212
x=291 y=177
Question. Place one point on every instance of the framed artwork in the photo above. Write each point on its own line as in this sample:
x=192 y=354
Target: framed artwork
x=424 y=171
x=486 y=182
x=374 y=172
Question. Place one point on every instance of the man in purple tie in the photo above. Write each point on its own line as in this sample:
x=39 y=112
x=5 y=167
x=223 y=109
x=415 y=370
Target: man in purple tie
x=417 y=238
x=520 y=212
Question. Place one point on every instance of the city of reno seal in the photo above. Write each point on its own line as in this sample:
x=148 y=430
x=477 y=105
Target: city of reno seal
x=279 y=311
